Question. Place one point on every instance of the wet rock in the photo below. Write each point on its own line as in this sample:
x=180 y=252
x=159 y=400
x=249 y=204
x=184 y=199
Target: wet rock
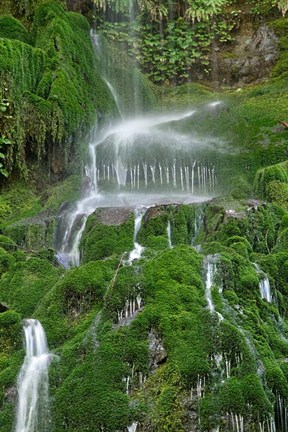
x=113 y=215
x=80 y=6
x=10 y=394
x=251 y=60
x=158 y=354
x=3 y=308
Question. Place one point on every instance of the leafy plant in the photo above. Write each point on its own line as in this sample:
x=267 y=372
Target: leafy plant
x=3 y=143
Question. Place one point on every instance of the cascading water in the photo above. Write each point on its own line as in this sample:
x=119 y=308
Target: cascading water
x=264 y=285
x=210 y=268
x=265 y=289
x=139 y=161
x=133 y=427
x=33 y=396
x=169 y=235
x=138 y=249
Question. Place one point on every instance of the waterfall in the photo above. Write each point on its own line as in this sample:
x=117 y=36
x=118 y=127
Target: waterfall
x=210 y=267
x=265 y=289
x=33 y=397
x=169 y=235
x=136 y=253
x=264 y=284
x=281 y=414
x=138 y=161
x=133 y=427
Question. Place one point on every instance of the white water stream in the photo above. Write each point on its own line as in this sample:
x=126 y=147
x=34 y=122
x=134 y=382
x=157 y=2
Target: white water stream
x=125 y=171
x=264 y=284
x=33 y=396
x=140 y=161
x=169 y=235
x=136 y=253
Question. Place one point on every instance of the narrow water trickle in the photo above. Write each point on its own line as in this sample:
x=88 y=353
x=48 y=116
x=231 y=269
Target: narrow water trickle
x=169 y=235
x=33 y=395
x=210 y=268
x=136 y=253
x=264 y=284
x=133 y=427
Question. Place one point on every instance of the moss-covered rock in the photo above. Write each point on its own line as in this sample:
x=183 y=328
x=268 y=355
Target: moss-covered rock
x=100 y=239
x=11 y=28
x=54 y=88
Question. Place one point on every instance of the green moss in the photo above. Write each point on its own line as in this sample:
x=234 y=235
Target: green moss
x=270 y=174
x=82 y=287
x=55 y=196
x=240 y=188
x=282 y=241
x=277 y=193
x=182 y=224
x=276 y=380
x=34 y=275
x=17 y=202
x=33 y=233
x=6 y=260
x=10 y=329
x=100 y=241
x=54 y=89
x=124 y=286
x=11 y=28
x=231 y=397
x=7 y=244
x=163 y=396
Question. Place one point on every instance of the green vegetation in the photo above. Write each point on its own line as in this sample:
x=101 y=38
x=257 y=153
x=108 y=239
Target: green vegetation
x=52 y=85
x=174 y=41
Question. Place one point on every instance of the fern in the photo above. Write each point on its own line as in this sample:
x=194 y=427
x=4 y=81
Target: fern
x=202 y=10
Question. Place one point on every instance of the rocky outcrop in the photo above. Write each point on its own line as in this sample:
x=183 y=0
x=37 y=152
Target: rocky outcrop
x=113 y=215
x=252 y=58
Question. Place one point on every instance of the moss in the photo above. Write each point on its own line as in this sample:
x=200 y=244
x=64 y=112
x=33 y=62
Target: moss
x=255 y=395
x=7 y=244
x=248 y=282
x=56 y=195
x=240 y=188
x=163 y=397
x=34 y=275
x=53 y=87
x=182 y=224
x=270 y=174
x=123 y=287
x=277 y=193
x=34 y=233
x=11 y=28
x=282 y=241
x=276 y=380
x=6 y=261
x=100 y=241
x=231 y=397
x=17 y=202
x=154 y=224
x=10 y=329
x=82 y=287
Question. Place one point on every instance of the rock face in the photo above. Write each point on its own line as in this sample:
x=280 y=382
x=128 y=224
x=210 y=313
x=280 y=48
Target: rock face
x=255 y=54
x=113 y=215
x=158 y=354
x=81 y=6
